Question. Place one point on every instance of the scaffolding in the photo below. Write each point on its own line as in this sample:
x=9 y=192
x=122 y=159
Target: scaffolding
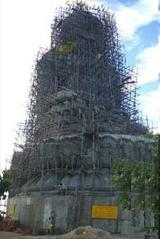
x=80 y=86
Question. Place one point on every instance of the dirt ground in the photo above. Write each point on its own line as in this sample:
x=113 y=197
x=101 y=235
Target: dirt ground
x=8 y=235
x=87 y=232
x=13 y=235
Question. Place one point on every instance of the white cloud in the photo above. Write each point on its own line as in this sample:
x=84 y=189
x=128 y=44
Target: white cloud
x=149 y=64
x=130 y=18
x=25 y=27
x=149 y=69
x=132 y=43
x=151 y=107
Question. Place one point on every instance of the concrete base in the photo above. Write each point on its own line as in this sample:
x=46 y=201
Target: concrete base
x=36 y=210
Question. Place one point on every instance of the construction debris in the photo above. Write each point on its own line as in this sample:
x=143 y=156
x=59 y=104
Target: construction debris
x=87 y=232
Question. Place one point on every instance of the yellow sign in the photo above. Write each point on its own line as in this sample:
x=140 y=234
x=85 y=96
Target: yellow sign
x=11 y=210
x=104 y=212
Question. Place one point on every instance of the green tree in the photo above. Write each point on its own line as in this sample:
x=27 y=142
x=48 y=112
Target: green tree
x=139 y=183
x=134 y=177
x=5 y=182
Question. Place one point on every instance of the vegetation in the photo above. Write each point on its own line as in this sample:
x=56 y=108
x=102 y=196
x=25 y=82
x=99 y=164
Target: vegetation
x=139 y=182
x=5 y=183
x=134 y=177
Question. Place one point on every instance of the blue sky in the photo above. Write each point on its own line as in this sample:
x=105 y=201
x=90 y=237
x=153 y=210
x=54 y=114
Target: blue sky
x=25 y=27
x=138 y=22
x=147 y=37
x=127 y=3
